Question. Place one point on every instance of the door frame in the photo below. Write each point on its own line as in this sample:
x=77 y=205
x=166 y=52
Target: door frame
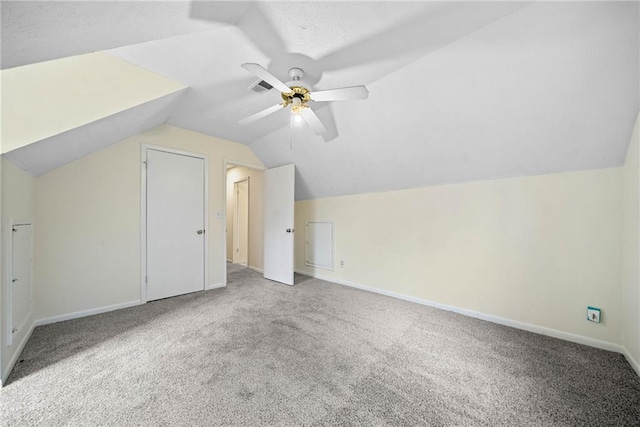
x=144 y=148
x=236 y=218
x=223 y=241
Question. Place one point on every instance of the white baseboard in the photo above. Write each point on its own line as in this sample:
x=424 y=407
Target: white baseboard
x=592 y=342
x=215 y=286
x=84 y=313
x=259 y=270
x=229 y=260
x=16 y=354
x=634 y=363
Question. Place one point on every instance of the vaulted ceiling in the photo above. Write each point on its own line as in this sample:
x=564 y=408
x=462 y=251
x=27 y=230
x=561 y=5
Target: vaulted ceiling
x=458 y=91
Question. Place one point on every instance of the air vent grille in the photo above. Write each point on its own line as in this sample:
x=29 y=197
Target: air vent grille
x=260 y=86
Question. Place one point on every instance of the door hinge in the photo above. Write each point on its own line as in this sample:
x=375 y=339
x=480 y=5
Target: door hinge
x=146 y=164
x=146 y=279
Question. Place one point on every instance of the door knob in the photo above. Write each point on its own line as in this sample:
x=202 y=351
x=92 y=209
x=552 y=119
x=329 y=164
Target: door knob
x=290 y=230
x=200 y=231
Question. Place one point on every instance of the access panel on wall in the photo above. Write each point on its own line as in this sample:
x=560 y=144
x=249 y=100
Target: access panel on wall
x=319 y=244
x=21 y=288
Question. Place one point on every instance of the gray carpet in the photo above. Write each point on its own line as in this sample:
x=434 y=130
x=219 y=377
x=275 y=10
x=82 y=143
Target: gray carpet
x=234 y=268
x=261 y=353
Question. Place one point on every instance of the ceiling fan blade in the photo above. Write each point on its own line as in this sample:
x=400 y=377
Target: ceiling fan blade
x=260 y=72
x=342 y=94
x=313 y=121
x=257 y=116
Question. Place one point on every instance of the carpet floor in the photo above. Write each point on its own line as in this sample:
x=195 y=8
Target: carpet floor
x=261 y=353
x=234 y=268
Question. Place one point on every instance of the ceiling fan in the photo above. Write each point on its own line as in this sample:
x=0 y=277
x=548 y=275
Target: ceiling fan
x=298 y=94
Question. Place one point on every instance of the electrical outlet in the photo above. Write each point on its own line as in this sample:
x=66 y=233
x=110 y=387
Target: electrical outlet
x=341 y=263
x=593 y=314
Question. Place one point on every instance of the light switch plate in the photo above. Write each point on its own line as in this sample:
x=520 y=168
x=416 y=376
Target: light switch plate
x=593 y=314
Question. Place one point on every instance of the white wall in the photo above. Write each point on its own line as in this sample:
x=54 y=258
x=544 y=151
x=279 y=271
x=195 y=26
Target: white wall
x=536 y=250
x=18 y=203
x=631 y=244
x=256 y=183
x=88 y=216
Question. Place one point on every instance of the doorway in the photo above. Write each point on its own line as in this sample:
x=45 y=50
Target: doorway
x=174 y=222
x=244 y=222
x=241 y=222
x=271 y=217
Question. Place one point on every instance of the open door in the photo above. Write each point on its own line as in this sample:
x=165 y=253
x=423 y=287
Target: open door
x=279 y=186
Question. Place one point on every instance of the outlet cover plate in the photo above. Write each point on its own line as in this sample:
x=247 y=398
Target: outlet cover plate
x=593 y=314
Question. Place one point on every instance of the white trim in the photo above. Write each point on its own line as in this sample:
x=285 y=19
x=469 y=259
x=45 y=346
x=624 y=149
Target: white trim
x=592 y=342
x=242 y=164
x=143 y=212
x=8 y=309
x=634 y=363
x=16 y=354
x=85 y=313
x=259 y=270
x=143 y=223
x=216 y=286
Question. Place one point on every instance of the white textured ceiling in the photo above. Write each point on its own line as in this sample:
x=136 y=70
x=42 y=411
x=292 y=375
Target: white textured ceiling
x=458 y=91
x=336 y=43
x=36 y=31
x=553 y=87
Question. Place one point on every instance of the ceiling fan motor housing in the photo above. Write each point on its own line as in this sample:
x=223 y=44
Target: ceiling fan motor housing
x=296 y=74
x=300 y=92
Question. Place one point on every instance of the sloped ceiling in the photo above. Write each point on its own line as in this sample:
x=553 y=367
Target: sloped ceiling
x=336 y=43
x=36 y=31
x=48 y=98
x=550 y=88
x=50 y=153
x=458 y=91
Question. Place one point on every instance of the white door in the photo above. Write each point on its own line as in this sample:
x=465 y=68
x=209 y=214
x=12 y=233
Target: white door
x=21 y=284
x=241 y=222
x=175 y=224
x=279 y=186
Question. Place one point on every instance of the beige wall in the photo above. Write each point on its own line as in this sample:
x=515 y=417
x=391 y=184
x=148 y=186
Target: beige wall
x=18 y=203
x=88 y=216
x=66 y=91
x=239 y=173
x=537 y=249
x=631 y=244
